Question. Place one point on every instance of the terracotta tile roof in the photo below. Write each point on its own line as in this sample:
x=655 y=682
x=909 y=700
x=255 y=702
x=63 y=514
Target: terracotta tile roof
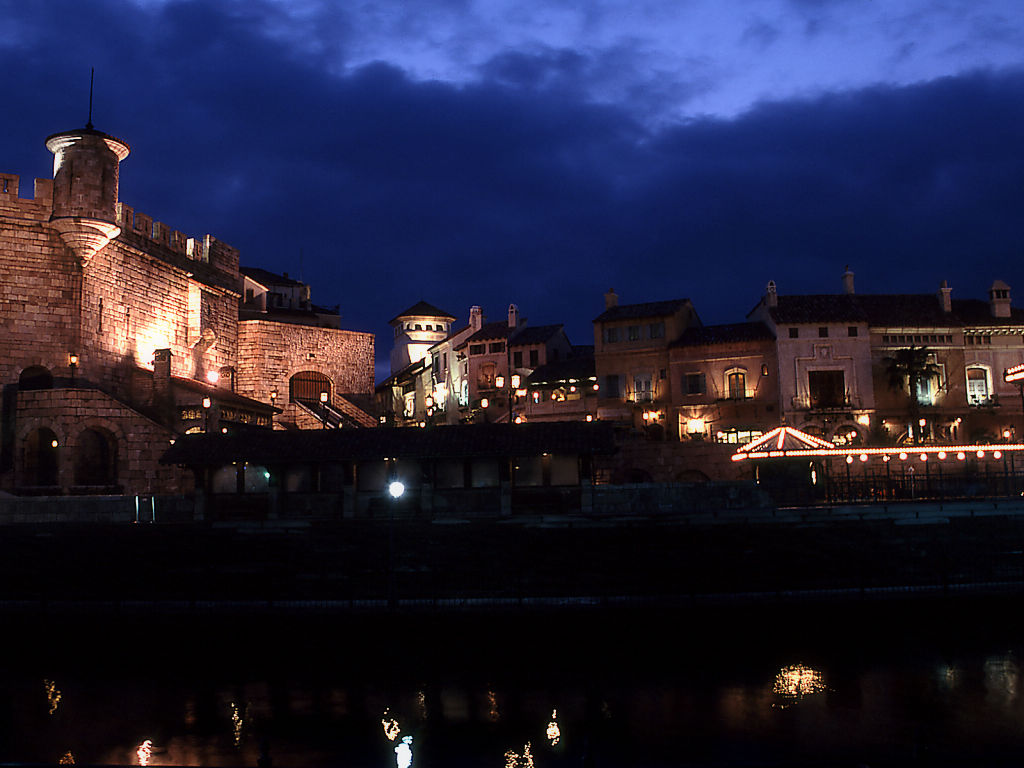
x=267 y=278
x=639 y=311
x=906 y=310
x=579 y=368
x=724 y=334
x=977 y=312
x=221 y=395
x=330 y=445
x=819 y=308
x=488 y=332
x=535 y=334
x=422 y=309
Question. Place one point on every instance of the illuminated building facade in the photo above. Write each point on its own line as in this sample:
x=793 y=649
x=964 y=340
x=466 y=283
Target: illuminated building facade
x=631 y=359
x=474 y=374
x=121 y=333
x=841 y=375
x=727 y=382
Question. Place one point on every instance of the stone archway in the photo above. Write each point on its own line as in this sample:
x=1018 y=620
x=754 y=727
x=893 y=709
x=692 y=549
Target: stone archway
x=35 y=377
x=305 y=387
x=95 y=458
x=39 y=458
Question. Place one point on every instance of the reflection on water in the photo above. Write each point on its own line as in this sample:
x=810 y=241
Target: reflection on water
x=1001 y=678
x=403 y=753
x=391 y=729
x=492 y=707
x=144 y=752
x=628 y=703
x=553 y=733
x=794 y=682
x=52 y=695
x=522 y=759
x=238 y=722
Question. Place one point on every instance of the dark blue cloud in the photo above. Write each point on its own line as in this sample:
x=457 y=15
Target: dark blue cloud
x=383 y=190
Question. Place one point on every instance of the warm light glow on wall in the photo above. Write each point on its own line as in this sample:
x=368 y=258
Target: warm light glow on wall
x=694 y=426
x=864 y=420
x=212 y=376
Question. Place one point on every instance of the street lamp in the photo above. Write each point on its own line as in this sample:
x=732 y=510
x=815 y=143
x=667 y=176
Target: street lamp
x=206 y=413
x=323 y=409
x=72 y=364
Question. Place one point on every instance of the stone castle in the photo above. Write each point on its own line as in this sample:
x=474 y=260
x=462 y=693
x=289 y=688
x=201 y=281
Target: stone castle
x=120 y=333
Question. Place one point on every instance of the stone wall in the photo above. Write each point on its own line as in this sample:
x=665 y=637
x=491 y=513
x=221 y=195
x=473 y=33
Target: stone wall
x=270 y=353
x=137 y=442
x=38 y=313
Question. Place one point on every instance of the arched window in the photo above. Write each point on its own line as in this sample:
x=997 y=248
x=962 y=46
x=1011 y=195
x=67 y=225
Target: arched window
x=94 y=458
x=40 y=458
x=306 y=386
x=978 y=390
x=736 y=384
x=35 y=377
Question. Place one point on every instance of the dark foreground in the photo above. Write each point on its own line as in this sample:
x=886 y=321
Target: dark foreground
x=380 y=565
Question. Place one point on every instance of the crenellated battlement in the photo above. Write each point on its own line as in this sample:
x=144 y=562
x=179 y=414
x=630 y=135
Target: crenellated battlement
x=10 y=199
x=208 y=249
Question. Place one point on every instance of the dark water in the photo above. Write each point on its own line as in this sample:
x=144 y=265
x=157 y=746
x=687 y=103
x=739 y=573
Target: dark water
x=893 y=683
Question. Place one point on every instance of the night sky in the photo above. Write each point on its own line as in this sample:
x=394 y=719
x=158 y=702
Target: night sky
x=541 y=152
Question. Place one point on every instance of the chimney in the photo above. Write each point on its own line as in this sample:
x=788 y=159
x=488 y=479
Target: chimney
x=162 y=379
x=946 y=297
x=999 y=299
x=611 y=299
x=848 y=281
x=476 y=318
x=513 y=316
x=771 y=295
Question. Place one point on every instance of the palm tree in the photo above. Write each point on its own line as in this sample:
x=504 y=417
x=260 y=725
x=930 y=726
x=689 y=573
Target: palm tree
x=911 y=366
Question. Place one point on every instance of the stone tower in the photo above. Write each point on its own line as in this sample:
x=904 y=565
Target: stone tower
x=85 y=172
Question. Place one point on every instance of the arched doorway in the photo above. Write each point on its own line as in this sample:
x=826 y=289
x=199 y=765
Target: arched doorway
x=35 y=377
x=95 y=458
x=40 y=458
x=305 y=387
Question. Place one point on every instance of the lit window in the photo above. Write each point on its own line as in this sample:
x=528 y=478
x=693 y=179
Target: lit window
x=977 y=386
x=642 y=388
x=736 y=384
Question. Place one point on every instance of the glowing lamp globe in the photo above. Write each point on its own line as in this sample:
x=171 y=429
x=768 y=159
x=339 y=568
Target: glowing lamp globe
x=396 y=488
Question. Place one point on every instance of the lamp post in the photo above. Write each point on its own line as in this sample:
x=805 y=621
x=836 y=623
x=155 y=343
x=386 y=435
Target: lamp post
x=206 y=414
x=72 y=365
x=396 y=489
x=323 y=409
